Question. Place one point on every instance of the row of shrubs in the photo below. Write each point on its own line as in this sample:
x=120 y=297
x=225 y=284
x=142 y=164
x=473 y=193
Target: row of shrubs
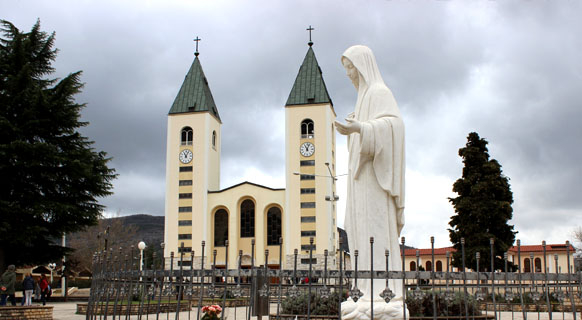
x=416 y=307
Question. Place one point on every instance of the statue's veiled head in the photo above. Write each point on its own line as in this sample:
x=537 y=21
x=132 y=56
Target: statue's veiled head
x=362 y=59
x=351 y=71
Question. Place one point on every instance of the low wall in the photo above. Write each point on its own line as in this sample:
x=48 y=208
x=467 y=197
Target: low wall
x=541 y=307
x=133 y=309
x=230 y=303
x=27 y=313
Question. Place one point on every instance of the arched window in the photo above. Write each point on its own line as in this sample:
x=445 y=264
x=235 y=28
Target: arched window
x=428 y=266
x=307 y=129
x=412 y=266
x=186 y=136
x=247 y=219
x=273 y=226
x=538 y=264
x=439 y=266
x=526 y=265
x=214 y=139
x=220 y=227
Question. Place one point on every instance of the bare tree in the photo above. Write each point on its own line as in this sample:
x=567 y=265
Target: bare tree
x=577 y=234
x=108 y=234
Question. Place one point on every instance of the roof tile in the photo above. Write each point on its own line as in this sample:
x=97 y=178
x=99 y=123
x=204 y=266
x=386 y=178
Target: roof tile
x=309 y=87
x=195 y=95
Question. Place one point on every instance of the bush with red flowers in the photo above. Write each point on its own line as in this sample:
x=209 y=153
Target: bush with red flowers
x=211 y=312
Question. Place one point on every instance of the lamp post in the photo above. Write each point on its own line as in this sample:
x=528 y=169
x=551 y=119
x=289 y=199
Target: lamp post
x=334 y=197
x=141 y=246
x=63 y=278
x=163 y=245
x=52 y=266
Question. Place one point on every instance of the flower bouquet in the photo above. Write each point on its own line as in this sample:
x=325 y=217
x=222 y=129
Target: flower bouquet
x=211 y=312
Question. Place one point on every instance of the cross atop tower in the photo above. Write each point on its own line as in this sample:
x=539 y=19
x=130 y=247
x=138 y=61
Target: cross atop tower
x=310 y=43
x=197 y=40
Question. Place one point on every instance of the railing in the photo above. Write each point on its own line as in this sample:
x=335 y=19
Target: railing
x=120 y=289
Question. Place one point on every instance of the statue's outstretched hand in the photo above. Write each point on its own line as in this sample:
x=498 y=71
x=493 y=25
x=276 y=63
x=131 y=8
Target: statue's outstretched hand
x=351 y=126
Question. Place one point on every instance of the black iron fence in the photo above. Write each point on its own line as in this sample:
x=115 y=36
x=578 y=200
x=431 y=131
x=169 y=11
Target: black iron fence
x=122 y=288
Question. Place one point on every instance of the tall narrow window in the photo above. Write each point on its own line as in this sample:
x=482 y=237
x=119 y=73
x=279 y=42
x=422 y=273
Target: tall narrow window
x=439 y=266
x=220 y=227
x=307 y=129
x=526 y=265
x=214 y=139
x=273 y=226
x=538 y=264
x=428 y=266
x=187 y=136
x=247 y=218
x=412 y=266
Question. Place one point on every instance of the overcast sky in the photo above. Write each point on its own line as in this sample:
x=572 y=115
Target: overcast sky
x=509 y=70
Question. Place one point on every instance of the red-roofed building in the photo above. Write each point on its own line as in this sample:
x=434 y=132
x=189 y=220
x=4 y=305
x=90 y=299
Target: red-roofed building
x=425 y=259
x=530 y=255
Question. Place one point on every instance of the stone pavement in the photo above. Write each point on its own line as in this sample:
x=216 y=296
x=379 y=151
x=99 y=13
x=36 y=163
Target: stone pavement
x=66 y=311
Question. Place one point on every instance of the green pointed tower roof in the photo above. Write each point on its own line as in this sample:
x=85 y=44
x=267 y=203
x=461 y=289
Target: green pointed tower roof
x=195 y=95
x=309 y=87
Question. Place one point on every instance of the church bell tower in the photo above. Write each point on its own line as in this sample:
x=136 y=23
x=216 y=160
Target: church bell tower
x=192 y=162
x=310 y=165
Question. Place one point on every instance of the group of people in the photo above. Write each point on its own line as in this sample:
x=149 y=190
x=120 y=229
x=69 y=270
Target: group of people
x=40 y=288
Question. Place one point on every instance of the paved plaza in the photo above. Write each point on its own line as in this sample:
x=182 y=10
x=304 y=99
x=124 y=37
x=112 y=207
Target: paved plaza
x=66 y=311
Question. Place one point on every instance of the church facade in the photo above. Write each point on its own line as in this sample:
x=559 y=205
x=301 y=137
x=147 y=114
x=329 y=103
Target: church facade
x=237 y=220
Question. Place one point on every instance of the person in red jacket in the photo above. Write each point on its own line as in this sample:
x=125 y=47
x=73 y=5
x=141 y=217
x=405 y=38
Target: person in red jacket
x=44 y=289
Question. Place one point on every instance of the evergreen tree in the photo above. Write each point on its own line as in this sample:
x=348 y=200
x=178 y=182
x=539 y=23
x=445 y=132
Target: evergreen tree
x=483 y=208
x=51 y=175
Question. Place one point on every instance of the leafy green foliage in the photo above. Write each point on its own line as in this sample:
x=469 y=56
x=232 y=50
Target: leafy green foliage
x=51 y=175
x=455 y=307
x=482 y=207
x=319 y=305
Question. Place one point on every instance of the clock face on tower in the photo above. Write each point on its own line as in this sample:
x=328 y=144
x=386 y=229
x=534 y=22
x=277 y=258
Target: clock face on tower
x=186 y=156
x=307 y=149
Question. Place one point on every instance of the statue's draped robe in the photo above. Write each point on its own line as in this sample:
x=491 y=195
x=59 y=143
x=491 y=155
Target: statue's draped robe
x=375 y=202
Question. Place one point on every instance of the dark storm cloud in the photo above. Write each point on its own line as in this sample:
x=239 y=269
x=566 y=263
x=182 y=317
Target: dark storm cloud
x=509 y=70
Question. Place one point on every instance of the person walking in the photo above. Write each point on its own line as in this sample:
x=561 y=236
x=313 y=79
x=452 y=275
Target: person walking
x=37 y=290
x=28 y=287
x=44 y=288
x=7 y=283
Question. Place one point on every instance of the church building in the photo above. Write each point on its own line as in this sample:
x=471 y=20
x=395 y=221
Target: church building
x=198 y=209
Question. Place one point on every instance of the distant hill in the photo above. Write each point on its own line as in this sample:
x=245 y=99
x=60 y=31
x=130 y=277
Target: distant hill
x=150 y=229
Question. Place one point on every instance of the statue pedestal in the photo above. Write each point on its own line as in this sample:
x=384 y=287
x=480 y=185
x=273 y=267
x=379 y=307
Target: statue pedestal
x=361 y=310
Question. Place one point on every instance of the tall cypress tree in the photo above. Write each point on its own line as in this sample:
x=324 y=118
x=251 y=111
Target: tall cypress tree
x=482 y=207
x=51 y=175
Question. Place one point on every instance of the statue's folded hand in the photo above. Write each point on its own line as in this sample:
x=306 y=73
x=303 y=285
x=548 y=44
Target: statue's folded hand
x=351 y=126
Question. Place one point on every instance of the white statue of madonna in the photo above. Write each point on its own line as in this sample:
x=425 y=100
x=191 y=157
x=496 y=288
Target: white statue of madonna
x=375 y=201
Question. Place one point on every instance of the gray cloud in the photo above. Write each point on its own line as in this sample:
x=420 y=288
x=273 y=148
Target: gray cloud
x=509 y=70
